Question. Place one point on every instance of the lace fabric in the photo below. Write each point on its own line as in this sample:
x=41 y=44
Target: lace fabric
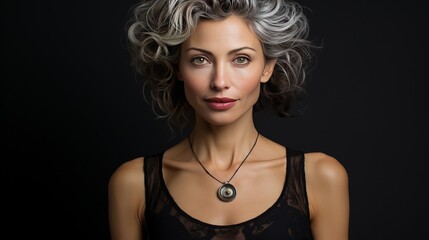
x=287 y=219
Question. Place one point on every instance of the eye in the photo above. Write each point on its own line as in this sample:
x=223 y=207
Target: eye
x=241 y=60
x=199 y=60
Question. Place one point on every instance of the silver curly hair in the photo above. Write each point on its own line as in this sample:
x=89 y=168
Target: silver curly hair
x=157 y=28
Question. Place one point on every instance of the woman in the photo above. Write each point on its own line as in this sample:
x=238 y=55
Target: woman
x=209 y=63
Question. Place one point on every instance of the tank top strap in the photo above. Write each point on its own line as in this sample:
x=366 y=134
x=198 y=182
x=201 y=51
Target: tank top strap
x=152 y=168
x=296 y=184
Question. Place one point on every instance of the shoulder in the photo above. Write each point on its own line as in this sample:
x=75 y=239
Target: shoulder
x=327 y=183
x=128 y=176
x=328 y=196
x=324 y=169
x=126 y=200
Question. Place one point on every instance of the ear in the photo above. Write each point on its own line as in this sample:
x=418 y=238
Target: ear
x=268 y=70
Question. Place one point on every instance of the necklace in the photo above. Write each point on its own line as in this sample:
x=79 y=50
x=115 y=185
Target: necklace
x=226 y=191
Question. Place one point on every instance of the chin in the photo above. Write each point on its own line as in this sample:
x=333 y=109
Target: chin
x=218 y=122
x=221 y=119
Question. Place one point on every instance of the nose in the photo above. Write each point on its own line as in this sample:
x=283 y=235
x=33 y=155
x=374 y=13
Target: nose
x=220 y=78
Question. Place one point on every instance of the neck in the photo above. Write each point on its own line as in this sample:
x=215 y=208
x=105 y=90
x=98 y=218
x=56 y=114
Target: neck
x=223 y=147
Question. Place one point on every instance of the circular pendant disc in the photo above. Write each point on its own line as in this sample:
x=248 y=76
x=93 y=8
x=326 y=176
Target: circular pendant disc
x=226 y=192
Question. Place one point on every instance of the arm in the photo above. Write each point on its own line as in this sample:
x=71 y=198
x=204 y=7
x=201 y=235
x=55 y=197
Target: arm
x=126 y=201
x=327 y=187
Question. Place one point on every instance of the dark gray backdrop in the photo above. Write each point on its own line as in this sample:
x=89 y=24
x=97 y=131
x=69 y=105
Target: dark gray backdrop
x=72 y=111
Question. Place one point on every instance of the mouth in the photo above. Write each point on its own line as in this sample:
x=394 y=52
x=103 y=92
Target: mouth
x=220 y=104
x=220 y=100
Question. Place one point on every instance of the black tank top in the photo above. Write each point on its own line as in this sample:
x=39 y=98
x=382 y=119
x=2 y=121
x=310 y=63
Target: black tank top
x=287 y=218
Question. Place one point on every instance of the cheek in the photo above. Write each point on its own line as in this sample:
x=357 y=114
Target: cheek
x=191 y=90
x=249 y=81
x=193 y=81
x=194 y=85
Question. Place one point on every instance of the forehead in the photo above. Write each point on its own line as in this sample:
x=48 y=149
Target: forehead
x=230 y=33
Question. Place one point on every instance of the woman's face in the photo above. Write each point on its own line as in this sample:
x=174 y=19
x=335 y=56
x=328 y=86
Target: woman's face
x=222 y=65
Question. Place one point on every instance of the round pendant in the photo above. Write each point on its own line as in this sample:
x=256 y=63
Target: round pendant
x=226 y=192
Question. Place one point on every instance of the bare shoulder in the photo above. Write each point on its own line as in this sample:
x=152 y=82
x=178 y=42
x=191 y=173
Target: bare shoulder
x=322 y=169
x=328 y=196
x=127 y=176
x=126 y=197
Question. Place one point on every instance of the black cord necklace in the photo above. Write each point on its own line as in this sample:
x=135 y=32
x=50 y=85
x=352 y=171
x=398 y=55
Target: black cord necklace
x=226 y=191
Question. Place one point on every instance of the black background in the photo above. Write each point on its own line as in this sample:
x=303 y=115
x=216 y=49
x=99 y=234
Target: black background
x=72 y=111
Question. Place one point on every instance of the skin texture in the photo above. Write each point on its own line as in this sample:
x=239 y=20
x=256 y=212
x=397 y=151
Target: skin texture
x=225 y=59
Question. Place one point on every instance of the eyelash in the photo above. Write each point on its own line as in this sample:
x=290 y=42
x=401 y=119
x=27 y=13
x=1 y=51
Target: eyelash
x=195 y=59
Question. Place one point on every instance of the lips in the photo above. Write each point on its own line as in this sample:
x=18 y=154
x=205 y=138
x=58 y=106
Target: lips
x=220 y=103
x=220 y=100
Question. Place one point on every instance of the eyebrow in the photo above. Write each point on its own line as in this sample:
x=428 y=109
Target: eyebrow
x=230 y=52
